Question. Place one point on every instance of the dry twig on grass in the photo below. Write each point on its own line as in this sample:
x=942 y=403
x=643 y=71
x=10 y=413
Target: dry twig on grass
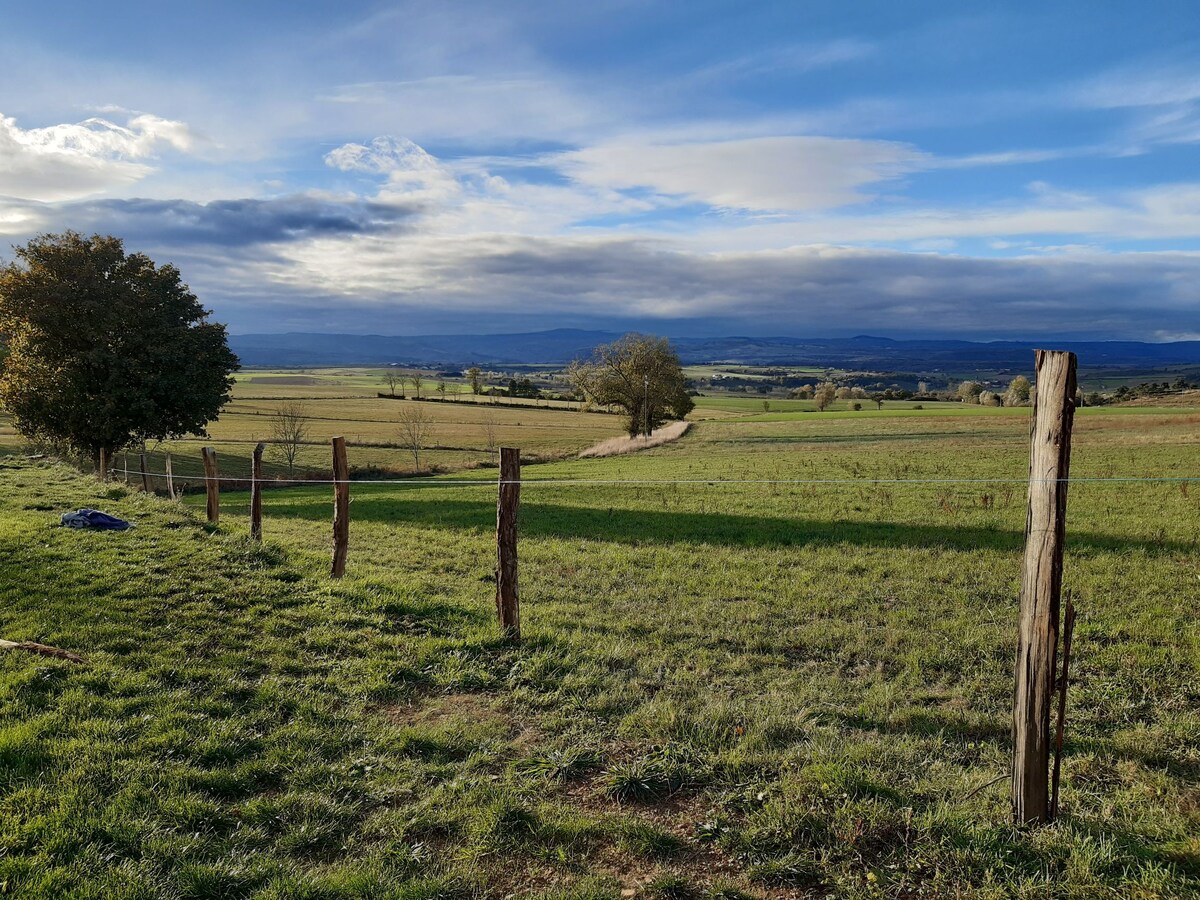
x=41 y=650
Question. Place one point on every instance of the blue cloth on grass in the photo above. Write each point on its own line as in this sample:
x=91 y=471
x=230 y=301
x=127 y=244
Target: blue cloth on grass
x=93 y=518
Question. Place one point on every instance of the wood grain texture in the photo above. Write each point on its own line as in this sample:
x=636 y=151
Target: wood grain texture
x=212 y=485
x=508 y=504
x=1041 y=583
x=341 y=508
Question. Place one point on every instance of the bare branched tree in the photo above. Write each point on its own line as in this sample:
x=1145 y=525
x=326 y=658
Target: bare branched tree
x=417 y=381
x=393 y=378
x=289 y=429
x=489 y=433
x=415 y=427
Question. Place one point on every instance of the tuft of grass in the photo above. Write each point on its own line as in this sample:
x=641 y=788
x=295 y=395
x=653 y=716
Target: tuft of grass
x=641 y=780
x=561 y=764
x=671 y=886
x=646 y=840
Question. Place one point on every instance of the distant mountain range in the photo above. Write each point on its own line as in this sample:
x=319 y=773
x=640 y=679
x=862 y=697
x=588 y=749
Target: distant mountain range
x=562 y=345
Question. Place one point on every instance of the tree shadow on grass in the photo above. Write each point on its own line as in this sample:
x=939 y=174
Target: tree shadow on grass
x=639 y=526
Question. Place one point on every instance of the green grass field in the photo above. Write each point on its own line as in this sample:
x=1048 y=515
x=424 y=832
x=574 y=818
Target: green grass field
x=724 y=690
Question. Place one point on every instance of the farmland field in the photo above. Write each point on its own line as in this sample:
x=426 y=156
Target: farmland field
x=725 y=688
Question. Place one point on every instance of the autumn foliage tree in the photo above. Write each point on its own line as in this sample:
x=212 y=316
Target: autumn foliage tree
x=641 y=375
x=105 y=349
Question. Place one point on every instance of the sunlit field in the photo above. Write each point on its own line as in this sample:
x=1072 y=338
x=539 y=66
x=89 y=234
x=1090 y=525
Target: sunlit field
x=799 y=688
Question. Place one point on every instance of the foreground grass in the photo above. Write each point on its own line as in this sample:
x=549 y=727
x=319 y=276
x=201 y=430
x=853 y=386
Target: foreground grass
x=790 y=690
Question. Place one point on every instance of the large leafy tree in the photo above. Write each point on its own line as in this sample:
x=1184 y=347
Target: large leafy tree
x=640 y=374
x=104 y=348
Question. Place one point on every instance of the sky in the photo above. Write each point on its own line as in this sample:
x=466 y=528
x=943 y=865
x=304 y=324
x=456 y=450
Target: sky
x=971 y=170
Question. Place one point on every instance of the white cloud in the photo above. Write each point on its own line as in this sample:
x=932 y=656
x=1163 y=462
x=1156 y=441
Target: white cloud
x=1140 y=86
x=761 y=173
x=63 y=162
x=412 y=174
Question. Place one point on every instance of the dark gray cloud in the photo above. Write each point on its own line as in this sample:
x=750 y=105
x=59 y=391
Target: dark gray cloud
x=479 y=283
x=259 y=266
x=231 y=223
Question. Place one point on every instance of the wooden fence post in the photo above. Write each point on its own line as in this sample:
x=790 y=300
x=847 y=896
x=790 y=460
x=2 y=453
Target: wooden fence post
x=212 y=485
x=145 y=473
x=256 y=494
x=341 y=507
x=170 y=476
x=1041 y=583
x=104 y=463
x=508 y=504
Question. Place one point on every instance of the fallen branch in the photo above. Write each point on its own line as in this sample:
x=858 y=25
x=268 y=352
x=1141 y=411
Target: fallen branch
x=41 y=650
x=1063 y=681
x=987 y=784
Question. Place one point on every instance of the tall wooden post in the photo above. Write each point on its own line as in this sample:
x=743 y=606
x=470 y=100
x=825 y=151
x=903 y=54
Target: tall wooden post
x=341 y=507
x=145 y=473
x=212 y=484
x=256 y=494
x=508 y=601
x=1041 y=583
x=170 y=476
x=104 y=464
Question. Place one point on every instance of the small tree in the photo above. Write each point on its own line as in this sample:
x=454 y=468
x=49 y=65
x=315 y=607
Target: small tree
x=1019 y=391
x=417 y=381
x=104 y=349
x=489 y=433
x=393 y=378
x=441 y=387
x=415 y=427
x=824 y=395
x=475 y=378
x=987 y=398
x=969 y=391
x=641 y=375
x=289 y=430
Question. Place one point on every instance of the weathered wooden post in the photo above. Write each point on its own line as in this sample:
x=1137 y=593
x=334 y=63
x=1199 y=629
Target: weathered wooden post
x=212 y=484
x=256 y=494
x=1041 y=583
x=341 y=507
x=104 y=463
x=170 y=476
x=508 y=600
x=145 y=473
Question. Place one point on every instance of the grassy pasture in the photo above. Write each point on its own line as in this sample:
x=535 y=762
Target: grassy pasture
x=724 y=689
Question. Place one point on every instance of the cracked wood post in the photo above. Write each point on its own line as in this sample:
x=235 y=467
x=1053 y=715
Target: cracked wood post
x=1041 y=583
x=256 y=493
x=212 y=486
x=104 y=464
x=170 y=476
x=341 y=508
x=145 y=473
x=508 y=504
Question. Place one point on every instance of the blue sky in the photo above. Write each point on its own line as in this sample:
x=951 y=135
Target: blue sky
x=973 y=170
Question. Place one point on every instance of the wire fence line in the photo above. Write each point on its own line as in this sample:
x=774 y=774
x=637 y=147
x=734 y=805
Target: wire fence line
x=696 y=482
